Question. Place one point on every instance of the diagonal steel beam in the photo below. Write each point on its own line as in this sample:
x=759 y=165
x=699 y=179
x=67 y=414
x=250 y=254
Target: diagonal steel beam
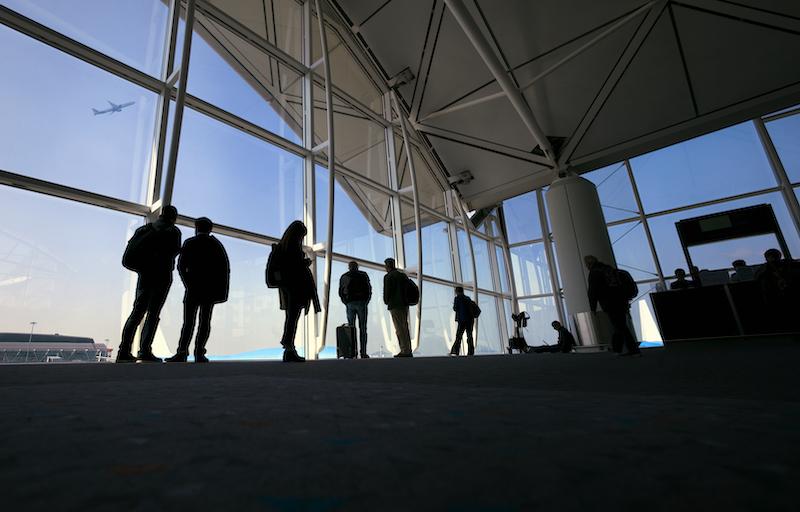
x=530 y=83
x=500 y=73
x=427 y=56
x=653 y=15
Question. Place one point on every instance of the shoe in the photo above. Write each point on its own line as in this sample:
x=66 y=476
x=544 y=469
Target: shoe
x=454 y=354
x=404 y=354
x=125 y=357
x=149 y=358
x=364 y=356
x=177 y=358
x=290 y=356
x=200 y=359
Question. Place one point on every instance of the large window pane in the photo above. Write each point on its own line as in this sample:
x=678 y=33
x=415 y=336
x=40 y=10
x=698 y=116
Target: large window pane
x=428 y=188
x=278 y=21
x=723 y=163
x=132 y=32
x=668 y=246
x=236 y=76
x=531 y=272
x=249 y=325
x=542 y=311
x=362 y=222
x=235 y=178
x=438 y=320
x=785 y=134
x=60 y=267
x=482 y=263
x=501 y=267
x=436 y=252
x=490 y=340
x=522 y=218
x=615 y=191
x=48 y=130
x=632 y=251
x=360 y=146
x=381 y=339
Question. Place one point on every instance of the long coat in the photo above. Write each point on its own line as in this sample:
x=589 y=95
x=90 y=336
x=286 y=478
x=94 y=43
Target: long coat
x=295 y=281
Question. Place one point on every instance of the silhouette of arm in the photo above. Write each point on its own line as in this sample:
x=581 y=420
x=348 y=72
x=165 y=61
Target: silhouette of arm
x=342 y=287
x=387 y=284
x=369 y=288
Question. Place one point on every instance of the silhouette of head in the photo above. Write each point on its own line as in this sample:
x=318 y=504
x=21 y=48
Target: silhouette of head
x=292 y=238
x=459 y=290
x=389 y=264
x=353 y=265
x=169 y=214
x=556 y=324
x=772 y=255
x=590 y=261
x=680 y=273
x=739 y=263
x=203 y=226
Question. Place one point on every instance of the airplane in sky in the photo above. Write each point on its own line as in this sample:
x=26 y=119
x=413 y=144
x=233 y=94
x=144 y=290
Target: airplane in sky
x=114 y=108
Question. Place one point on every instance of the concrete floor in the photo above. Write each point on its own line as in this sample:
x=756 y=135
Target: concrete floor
x=711 y=426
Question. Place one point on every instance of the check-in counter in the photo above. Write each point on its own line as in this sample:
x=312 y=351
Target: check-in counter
x=733 y=309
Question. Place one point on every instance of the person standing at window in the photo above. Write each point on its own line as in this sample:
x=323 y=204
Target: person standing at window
x=151 y=253
x=355 y=291
x=395 y=286
x=681 y=283
x=465 y=319
x=288 y=271
x=205 y=271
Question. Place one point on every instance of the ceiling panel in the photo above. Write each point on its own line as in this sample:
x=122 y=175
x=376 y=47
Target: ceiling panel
x=651 y=95
x=721 y=51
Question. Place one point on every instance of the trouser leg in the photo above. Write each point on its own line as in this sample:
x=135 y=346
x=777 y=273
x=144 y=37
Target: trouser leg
x=290 y=325
x=362 y=328
x=189 y=315
x=203 y=329
x=630 y=338
x=470 y=341
x=456 y=349
x=400 y=320
x=135 y=318
x=155 y=303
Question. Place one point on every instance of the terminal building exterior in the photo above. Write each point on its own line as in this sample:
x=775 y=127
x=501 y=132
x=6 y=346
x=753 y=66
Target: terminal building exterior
x=476 y=150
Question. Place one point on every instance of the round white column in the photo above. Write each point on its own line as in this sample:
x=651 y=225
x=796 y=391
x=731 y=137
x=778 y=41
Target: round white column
x=579 y=229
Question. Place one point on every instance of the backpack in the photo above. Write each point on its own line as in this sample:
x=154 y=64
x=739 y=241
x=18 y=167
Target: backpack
x=474 y=309
x=272 y=273
x=139 y=249
x=627 y=285
x=412 y=292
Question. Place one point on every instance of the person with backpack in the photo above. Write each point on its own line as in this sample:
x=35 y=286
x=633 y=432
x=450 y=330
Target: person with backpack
x=205 y=271
x=613 y=289
x=355 y=291
x=151 y=253
x=466 y=313
x=288 y=271
x=398 y=295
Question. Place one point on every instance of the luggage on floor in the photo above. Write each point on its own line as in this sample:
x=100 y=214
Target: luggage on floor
x=346 y=341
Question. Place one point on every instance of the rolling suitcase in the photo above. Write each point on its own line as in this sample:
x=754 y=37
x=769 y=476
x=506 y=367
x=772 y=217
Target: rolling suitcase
x=345 y=341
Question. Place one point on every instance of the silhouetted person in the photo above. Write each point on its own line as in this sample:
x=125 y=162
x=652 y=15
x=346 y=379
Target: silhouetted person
x=780 y=284
x=566 y=341
x=395 y=298
x=288 y=270
x=205 y=271
x=355 y=291
x=465 y=320
x=681 y=283
x=613 y=289
x=564 y=344
x=151 y=253
x=741 y=272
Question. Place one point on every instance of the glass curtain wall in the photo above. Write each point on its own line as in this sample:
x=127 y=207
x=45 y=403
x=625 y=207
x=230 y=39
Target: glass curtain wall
x=110 y=120
x=727 y=169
